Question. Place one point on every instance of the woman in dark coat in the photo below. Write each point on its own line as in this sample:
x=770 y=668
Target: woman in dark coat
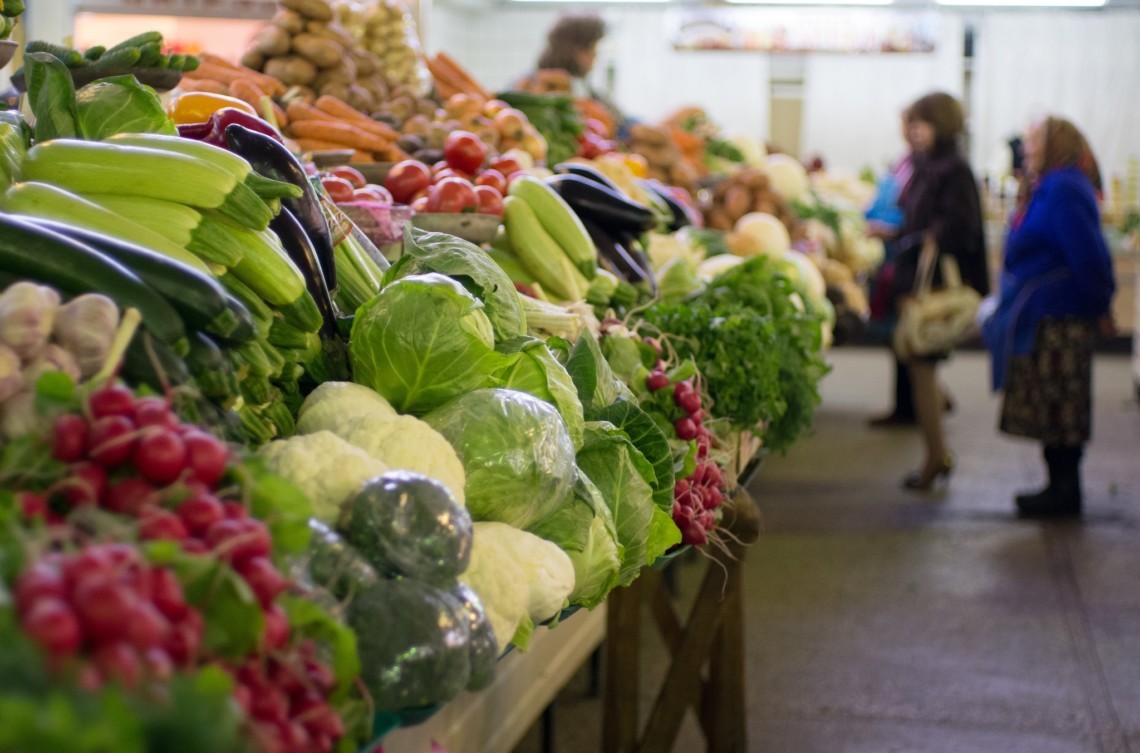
x=1056 y=287
x=940 y=202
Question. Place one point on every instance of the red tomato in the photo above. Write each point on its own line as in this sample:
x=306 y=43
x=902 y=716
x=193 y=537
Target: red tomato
x=596 y=127
x=507 y=166
x=419 y=206
x=374 y=193
x=421 y=194
x=452 y=196
x=407 y=178
x=488 y=200
x=339 y=189
x=494 y=179
x=447 y=172
x=351 y=174
x=464 y=151
x=436 y=167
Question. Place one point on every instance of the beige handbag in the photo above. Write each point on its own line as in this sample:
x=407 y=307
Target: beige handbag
x=934 y=321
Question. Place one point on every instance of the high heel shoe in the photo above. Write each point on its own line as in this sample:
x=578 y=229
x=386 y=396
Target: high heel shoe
x=924 y=480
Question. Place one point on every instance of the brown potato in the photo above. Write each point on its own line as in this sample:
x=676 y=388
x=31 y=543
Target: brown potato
x=417 y=125
x=272 y=41
x=718 y=220
x=737 y=202
x=366 y=63
x=335 y=89
x=361 y=98
x=289 y=20
x=341 y=75
x=253 y=59
x=324 y=53
x=648 y=134
x=317 y=10
x=291 y=70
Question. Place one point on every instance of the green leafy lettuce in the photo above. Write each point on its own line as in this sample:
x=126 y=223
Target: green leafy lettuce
x=470 y=266
x=51 y=97
x=533 y=369
x=625 y=480
x=120 y=104
x=422 y=341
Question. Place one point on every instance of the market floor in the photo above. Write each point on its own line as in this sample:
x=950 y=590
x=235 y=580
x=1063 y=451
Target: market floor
x=879 y=620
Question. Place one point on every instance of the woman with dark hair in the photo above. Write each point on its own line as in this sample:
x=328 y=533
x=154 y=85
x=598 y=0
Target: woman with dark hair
x=1056 y=286
x=940 y=203
x=572 y=45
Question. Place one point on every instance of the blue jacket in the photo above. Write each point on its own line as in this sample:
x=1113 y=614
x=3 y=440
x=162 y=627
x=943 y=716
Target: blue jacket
x=1056 y=264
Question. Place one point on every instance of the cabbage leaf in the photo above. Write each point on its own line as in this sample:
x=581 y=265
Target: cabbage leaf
x=120 y=104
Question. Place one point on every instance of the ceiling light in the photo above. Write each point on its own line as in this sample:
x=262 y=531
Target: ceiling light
x=1027 y=3
x=811 y=2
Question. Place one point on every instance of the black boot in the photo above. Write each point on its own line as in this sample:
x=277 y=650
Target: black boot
x=1062 y=497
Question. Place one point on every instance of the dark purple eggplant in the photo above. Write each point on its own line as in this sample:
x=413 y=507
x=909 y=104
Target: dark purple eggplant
x=680 y=215
x=300 y=249
x=270 y=158
x=608 y=208
x=587 y=172
x=617 y=257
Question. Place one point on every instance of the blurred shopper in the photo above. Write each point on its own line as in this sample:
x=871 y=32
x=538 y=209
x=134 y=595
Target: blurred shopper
x=941 y=201
x=1056 y=288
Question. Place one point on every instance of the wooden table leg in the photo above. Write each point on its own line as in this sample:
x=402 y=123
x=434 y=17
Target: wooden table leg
x=620 y=728
x=723 y=708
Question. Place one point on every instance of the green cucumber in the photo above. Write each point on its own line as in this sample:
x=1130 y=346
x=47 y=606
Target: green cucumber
x=69 y=57
x=73 y=267
x=210 y=369
x=150 y=54
x=147 y=37
x=112 y=60
x=94 y=53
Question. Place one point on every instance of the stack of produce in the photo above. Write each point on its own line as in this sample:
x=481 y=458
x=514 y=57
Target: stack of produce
x=142 y=56
x=746 y=191
x=555 y=117
x=304 y=46
x=666 y=161
x=701 y=142
x=142 y=556
x=385 y=29
x=450 y=78
x=10 y=16
x=216 y=75
x=504 y=130
x=330 y=124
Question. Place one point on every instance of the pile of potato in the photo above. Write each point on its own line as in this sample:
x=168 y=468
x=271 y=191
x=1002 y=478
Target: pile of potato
x=500 y=127
x=666 y=162
x=305 y=46
x=747 y=190
x=387 y=30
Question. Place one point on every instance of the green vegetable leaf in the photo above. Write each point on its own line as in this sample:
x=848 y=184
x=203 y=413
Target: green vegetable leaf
x=51 y=96
x=663 y=535
x=597 y=386
x=120 y=104
x=55 y=391
x=284 y=508
x=470 y=266
x=650 y=441
x=422 y=341
x=533 y=369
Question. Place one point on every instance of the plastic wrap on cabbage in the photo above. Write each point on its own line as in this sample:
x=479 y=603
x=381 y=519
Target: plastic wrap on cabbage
x=516 y=452
x=584 y=529
x=484 y=647
x=422 y=341
x=533 y=369
x=414 y=645
x=405 y=523
x=334 y=564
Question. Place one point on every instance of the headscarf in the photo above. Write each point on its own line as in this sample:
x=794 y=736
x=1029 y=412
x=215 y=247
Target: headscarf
x=1065 y=146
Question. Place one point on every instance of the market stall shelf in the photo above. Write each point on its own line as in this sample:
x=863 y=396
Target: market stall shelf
x=496 y=719
x=712 y=636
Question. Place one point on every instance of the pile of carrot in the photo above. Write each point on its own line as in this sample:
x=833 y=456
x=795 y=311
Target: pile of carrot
x=330 y=124
x=217 y=75
x=451 y=78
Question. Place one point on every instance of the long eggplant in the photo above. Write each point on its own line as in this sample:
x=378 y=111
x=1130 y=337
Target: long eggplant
x=587 y=172
x=608 y=208
x=616 y=257
x=300 y=249
x=678 y=210
x=270 y=158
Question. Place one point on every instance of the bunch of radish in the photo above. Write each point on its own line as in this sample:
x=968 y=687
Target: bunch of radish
x=696 y=496
x=126 y=619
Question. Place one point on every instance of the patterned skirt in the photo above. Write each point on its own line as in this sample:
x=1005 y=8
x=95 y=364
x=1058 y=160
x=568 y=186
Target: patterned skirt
x=1048 y=393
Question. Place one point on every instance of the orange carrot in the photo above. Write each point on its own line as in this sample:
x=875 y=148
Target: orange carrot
x=247 y=91
x=300 y=111
x=463 y=76
x=445 y=81
x=202 y=85
x=359 y=156
x=344 y=112
x=339 y=132
x=266 y=83
x=320 y=145
x=279 y=115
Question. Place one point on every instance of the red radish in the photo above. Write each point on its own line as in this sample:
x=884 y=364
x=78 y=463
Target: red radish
x=235 y=510
x=681 y=389
x=200 y=512
x=657 y=381
x=119 y=661
x=283 y=676
x=120 y=554
x=254 y=540
x=320 y=676
x=156 y=524
x=713 y=498
x=89 y=678
x=243 y=696
x=267 y=583
x=160 y=456
x=690 y=402
x=707 y=520
x=129 y=496
x=276 y=628
x=184 y=643
x=685 y=428
x=53 y=625
x=153 y=411
x=324 y=744
x=147 y=628
x=295 y=737
x=93 y=562
x=195 y=546
x=104 y=608
x=111 y=401
x=654 y=343
x=206 y=456
x=269 y=704
x=86 y=485
x=325 y=722
x=69 y=438
x=32 y=505
x=110 y=441
x=166 y=593
x=40 y=581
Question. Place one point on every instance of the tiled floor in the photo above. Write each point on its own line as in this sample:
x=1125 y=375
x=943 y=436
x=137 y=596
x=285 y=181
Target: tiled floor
x=880 y=620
